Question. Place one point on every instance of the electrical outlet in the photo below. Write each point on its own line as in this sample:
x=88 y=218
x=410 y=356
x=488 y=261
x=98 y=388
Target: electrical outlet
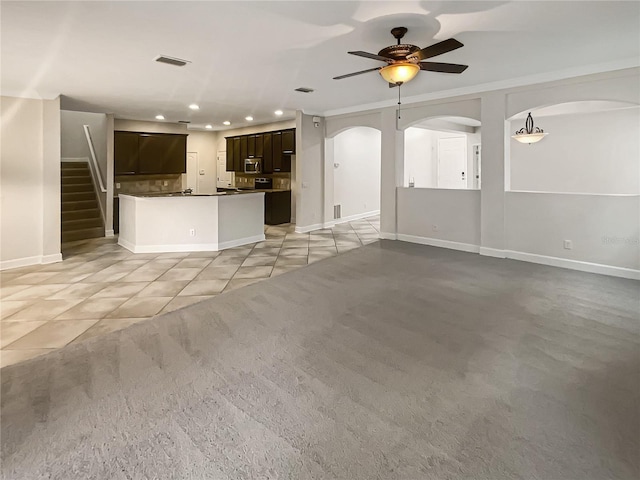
x=165 y=183
x=568 y=244
x=434 y=228
x=192 y=232
x=117 y=185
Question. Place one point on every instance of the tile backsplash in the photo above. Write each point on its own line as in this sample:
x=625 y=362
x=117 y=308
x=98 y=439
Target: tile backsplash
x=280 y=181
x=147 y=184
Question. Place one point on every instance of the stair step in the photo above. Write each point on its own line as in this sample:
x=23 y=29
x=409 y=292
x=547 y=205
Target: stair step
x=80 y=214
x=75 y=180
x=78 y=196
x=83 y=234
x=77 y=187
x=76 y=172
x=81 y=224
x=80 y=205
x=70 y=165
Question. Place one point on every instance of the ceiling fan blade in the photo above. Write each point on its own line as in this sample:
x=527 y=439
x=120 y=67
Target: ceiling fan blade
x=442 y=67
x=373 y=56
x=356 y=73
x=436 y=49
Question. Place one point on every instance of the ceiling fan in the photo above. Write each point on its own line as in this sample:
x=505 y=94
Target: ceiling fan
x=404 y=61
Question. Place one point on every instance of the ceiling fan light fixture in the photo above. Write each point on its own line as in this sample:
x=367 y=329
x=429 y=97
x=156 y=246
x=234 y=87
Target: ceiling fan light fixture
x=529 y=134
x=400 y=72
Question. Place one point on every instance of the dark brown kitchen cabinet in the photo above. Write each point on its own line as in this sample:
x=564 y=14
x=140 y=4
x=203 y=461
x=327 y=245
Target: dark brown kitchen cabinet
x=162 y=153
x=251 y=146
x=237 y=159
x=259 y=144
x=125 y=153
x=277 y=207
x=149 y=153
x=230 y=166
x=289 y=141
x=267 y=153
x=244 y=144
x=276 y=148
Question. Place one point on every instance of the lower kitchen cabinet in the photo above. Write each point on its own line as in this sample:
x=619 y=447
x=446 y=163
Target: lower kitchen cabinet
x=277 y=207
x=116 y=215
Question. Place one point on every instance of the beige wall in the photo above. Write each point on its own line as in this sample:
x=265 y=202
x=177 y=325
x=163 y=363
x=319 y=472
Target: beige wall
x=29 y=182
x=204 y=143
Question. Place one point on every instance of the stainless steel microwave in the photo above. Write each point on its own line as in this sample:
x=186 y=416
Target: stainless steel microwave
x=252 y=165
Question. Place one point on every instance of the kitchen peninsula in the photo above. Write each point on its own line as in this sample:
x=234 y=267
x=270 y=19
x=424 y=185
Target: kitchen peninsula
x=156 y=223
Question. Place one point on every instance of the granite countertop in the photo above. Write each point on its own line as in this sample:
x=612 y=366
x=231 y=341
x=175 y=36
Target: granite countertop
x=217 y=194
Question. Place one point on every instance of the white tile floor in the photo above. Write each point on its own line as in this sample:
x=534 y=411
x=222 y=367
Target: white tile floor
x=100 y=287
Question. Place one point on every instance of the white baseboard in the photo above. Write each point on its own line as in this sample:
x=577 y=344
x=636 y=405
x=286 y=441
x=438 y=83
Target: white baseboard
x=388 y=236
x=109 y=233
x=492 y=252
x=241 y=241
x=27 y=261
x=525 y=257
x=53 y=258
x=575 y=265
x=193 y=247
x=436 y=242
x=309 y=228
x=350 y=218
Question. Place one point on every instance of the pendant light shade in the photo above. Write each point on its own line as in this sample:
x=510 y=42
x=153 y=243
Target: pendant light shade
x=529 y=134
x=400 y=72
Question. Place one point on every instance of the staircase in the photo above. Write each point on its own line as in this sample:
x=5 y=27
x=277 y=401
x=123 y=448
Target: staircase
x=81 y=217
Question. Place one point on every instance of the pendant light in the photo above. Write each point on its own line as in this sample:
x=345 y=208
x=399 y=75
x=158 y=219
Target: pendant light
x=529 y=134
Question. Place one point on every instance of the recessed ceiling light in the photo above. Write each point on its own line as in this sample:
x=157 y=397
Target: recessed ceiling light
x=194 y=106
x=226 y=122
x=159 y=117
x=208 y=126
x=249 y=118
x=278 y=112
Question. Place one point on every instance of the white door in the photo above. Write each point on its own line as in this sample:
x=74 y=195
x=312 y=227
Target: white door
x=452 y=162
x=192 y=171
x=224 y=178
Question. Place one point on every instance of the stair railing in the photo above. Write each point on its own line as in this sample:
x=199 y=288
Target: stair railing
x=95 y=172
x=95 y=169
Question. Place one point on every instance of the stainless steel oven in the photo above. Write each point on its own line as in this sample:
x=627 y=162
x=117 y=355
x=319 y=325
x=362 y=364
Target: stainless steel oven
x=252 y=165
x=263 y=183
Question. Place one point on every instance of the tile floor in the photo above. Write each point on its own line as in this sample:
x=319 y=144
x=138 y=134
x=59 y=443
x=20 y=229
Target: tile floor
x=100 y=287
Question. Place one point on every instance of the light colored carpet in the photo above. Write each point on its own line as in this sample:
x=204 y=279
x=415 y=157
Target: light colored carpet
x=392 y=361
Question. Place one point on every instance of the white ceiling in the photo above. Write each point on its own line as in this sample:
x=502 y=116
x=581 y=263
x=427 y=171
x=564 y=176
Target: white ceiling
x=248 y=57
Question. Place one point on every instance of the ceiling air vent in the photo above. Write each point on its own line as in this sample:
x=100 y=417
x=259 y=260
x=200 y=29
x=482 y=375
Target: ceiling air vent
x=184 y=121
x=178 y=62
x=304 y=90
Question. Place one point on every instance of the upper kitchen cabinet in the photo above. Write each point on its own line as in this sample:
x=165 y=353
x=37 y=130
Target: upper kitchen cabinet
x=251 y=146
x=162 y=153
x=149 y=153
x=259 y=145
x=125 y=153
x=289 y=142
x=238 y=161
x=267 y=153
x=230 y=155
x=274 y=148
x=244 y=148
